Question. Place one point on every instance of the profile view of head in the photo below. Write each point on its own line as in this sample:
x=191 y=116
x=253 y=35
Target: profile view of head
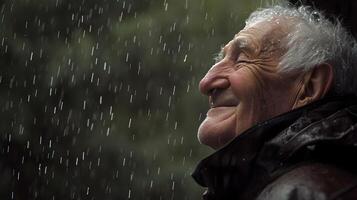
x=283 y=59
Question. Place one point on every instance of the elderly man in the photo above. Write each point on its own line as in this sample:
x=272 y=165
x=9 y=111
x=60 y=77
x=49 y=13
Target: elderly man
x=283 y=112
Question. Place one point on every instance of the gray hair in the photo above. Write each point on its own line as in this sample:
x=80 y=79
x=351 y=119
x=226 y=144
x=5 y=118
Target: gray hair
x=313 y=40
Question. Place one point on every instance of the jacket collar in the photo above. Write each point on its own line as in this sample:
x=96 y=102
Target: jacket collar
x=231 y=167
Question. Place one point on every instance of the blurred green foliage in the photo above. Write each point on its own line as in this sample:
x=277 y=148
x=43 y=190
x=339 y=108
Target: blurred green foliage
x=99 y=98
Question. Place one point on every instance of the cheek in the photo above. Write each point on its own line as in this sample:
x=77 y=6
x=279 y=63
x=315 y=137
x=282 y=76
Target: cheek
x=243 y=83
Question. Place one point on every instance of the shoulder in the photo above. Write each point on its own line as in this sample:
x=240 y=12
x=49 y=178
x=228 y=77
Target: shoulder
x=312 y=182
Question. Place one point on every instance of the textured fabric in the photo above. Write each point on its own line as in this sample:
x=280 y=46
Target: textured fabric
x=310 y=182
x=308 y=153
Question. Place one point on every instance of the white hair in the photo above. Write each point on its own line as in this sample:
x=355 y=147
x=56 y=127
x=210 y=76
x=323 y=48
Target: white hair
x=313 y=40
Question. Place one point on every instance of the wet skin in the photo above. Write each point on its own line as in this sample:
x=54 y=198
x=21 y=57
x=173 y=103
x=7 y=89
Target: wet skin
x=246 y=87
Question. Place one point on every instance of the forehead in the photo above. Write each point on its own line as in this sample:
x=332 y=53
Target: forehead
x=259 y=27
x=261 y=33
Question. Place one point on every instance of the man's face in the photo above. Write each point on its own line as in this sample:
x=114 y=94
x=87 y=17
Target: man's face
x=244 y=87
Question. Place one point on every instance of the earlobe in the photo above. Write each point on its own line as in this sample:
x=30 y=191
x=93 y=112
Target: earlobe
x=316 y=84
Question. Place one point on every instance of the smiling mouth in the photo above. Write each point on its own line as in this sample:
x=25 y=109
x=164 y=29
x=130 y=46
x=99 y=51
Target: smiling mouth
x=223 y=101
x=222 y=98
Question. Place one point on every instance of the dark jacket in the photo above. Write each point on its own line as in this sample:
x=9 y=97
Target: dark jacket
x=309 y=153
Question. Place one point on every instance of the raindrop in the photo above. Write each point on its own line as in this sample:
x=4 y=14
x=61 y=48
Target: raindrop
x=184 y=60
x=98 y=162
x=175 y=127
x=139 y=68
x=160 y=91
x=158 y=170
x=127 y=57
x=108 y=131
x=131 y=98
x=311 y=147
x=129 y=124
x=169 y=103
x=84 y=104
x=174 y=90
x=129 y=194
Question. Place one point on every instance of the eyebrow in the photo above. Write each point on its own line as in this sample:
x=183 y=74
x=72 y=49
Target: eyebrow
x=237 y=44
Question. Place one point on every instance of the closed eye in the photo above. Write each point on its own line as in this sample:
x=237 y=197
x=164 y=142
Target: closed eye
x=241 y=61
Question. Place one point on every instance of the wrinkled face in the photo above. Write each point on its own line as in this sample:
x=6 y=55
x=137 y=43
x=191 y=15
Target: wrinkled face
x=245 y=87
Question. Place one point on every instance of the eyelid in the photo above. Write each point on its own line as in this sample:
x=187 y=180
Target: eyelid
x=237 y=46
x=240 y=62
x=242 y=58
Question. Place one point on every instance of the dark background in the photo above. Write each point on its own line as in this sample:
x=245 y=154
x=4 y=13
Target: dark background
x=99 y=99
x=343 y=10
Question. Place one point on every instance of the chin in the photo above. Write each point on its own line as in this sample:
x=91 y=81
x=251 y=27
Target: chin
x=215 y=135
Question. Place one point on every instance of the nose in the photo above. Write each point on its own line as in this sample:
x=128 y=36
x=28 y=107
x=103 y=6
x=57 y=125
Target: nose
x=215 y=78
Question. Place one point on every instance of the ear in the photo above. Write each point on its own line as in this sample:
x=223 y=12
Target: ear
x=315 y=85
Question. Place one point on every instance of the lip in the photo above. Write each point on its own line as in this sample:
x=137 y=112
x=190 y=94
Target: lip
x=231 y=103
x=223 y=101
x=223 y=98
x=221 y=111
